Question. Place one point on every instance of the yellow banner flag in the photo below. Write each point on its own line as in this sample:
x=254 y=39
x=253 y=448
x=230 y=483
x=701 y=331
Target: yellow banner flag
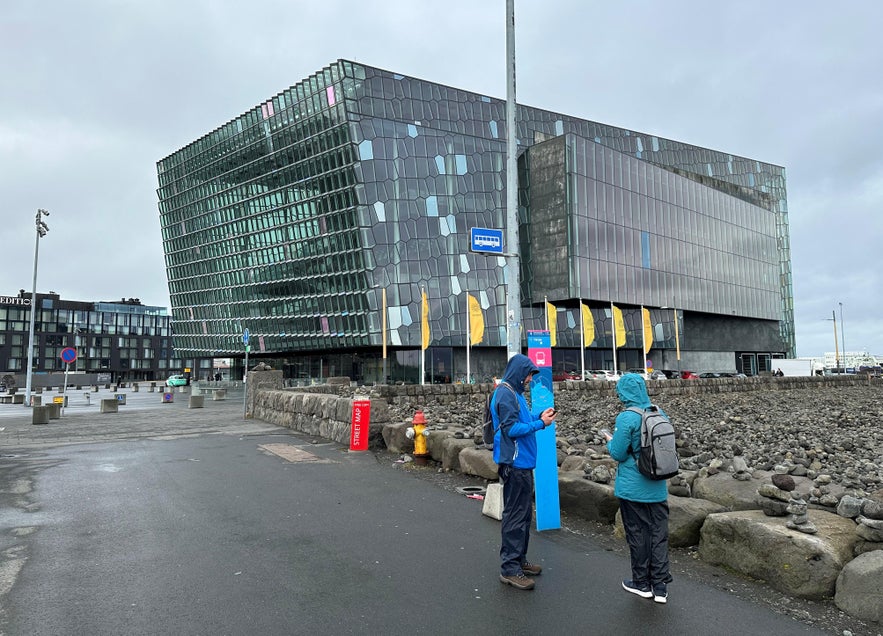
x=424 y=323
x=648 y=332
x=552 y=318
x=588 y=326
x=618 y=326
x=476 y=320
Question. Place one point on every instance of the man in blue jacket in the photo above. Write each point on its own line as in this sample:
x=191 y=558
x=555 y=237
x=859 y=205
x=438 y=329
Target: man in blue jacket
x=643 y=502
x=515 y=452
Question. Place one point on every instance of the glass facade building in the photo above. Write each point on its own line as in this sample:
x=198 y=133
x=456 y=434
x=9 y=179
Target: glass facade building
x=306 y=217
x=123 y=340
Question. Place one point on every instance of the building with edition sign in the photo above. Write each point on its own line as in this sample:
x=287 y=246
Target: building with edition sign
x=320 y=217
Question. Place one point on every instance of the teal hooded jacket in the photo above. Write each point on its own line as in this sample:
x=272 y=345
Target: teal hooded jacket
x=630 y=483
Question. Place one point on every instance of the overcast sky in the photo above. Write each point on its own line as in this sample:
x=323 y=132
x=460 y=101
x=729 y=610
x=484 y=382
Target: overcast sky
x=95 y=92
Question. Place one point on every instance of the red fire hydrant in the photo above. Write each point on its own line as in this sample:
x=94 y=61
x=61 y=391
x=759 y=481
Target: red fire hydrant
x=419 y=432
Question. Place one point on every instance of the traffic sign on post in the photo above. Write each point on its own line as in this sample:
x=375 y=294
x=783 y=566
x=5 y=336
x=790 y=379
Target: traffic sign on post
x=245 y=336
x=485 y=239
x=69 y=354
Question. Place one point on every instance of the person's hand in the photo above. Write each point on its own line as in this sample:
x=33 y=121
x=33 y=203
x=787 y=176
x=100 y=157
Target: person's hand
x=548 y=416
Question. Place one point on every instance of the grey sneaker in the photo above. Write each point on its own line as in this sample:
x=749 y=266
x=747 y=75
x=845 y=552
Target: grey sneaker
x=518 y=581
x=660 y=593
x=641 y=590
x=531 y=569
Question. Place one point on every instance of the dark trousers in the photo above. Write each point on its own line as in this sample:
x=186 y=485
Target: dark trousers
x=646 y=531
x=517 y=514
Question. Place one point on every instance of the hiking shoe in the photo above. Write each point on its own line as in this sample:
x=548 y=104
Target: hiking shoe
x=531 y=569
x=641 y=590
x=660 y=593
x=517 y=581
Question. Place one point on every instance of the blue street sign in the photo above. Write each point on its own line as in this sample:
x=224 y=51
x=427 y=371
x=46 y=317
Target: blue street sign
x=486 y=240
x=69 y=354
x=245 y=336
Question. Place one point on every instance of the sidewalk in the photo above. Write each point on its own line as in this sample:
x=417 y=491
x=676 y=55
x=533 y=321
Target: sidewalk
x=144 y=415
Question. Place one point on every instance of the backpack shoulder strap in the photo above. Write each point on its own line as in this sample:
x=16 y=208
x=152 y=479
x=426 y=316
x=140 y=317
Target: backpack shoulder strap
x=508 y=386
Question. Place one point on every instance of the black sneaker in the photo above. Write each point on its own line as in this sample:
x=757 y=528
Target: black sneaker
x=518 y=581
x=531 y=569
x=641 y=590
x=660 y=593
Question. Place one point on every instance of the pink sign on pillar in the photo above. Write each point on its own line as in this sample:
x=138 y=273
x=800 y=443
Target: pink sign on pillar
x=359 y=426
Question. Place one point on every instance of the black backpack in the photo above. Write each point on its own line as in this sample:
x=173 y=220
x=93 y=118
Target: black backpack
x=657 y=458
x=487 y=419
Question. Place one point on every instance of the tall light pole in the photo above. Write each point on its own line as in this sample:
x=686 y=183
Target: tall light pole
x=42 y=229
x=513 y=265
x=842 y=338
x=836 y=348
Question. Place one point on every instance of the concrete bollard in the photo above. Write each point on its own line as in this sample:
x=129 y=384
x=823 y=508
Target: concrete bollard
x=54 y=411
x=168 y=397
x=88 y=398
x=109 y=406
x=196 y=401
x=114 y=388
x=18 y=398
x=134 y=388
x=219 y=394
x=121 y=398
x=60 y=389
x=36 y=400
x=94 y=389
x=40 y=415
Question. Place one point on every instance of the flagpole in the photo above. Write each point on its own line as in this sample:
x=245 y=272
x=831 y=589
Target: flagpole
x=422 y=335
x=613 y=330
x=468 y=340
x=582 y=342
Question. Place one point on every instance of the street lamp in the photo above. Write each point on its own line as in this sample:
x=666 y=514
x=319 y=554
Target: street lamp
x=842 y=338
x=42 y=230
x=836 y=348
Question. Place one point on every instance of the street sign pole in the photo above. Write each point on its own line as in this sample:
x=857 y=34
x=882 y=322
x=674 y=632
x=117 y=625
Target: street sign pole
x=64 y=389
x=68 y=355
x=245 y=375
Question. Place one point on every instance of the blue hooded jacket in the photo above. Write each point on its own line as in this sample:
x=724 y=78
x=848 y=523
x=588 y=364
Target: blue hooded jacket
x=630 y=483
x=515 y=442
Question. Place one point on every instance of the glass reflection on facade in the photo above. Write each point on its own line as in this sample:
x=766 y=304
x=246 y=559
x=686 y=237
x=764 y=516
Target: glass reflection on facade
x=290 y=219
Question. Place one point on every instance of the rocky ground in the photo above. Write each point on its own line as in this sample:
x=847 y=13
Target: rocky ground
x=836 y=431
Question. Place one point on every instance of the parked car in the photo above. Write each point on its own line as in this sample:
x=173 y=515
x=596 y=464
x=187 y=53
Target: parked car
x=640 y=372
x=709 y=374
x=658 y=374
x=689 y=375
x=561 y=376
x=176 y=380
x=602 y=374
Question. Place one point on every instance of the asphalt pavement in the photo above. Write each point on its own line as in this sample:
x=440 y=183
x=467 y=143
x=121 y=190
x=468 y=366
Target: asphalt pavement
x=161 y=519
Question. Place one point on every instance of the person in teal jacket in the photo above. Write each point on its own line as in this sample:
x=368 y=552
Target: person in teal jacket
x=515 y=452
x=643 y=502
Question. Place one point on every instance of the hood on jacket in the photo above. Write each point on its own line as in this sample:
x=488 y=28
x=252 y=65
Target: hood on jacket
x=517 y=370
x=632 y=391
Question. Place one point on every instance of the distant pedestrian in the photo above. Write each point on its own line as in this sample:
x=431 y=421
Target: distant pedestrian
x=515 y=452
x=643 y=502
